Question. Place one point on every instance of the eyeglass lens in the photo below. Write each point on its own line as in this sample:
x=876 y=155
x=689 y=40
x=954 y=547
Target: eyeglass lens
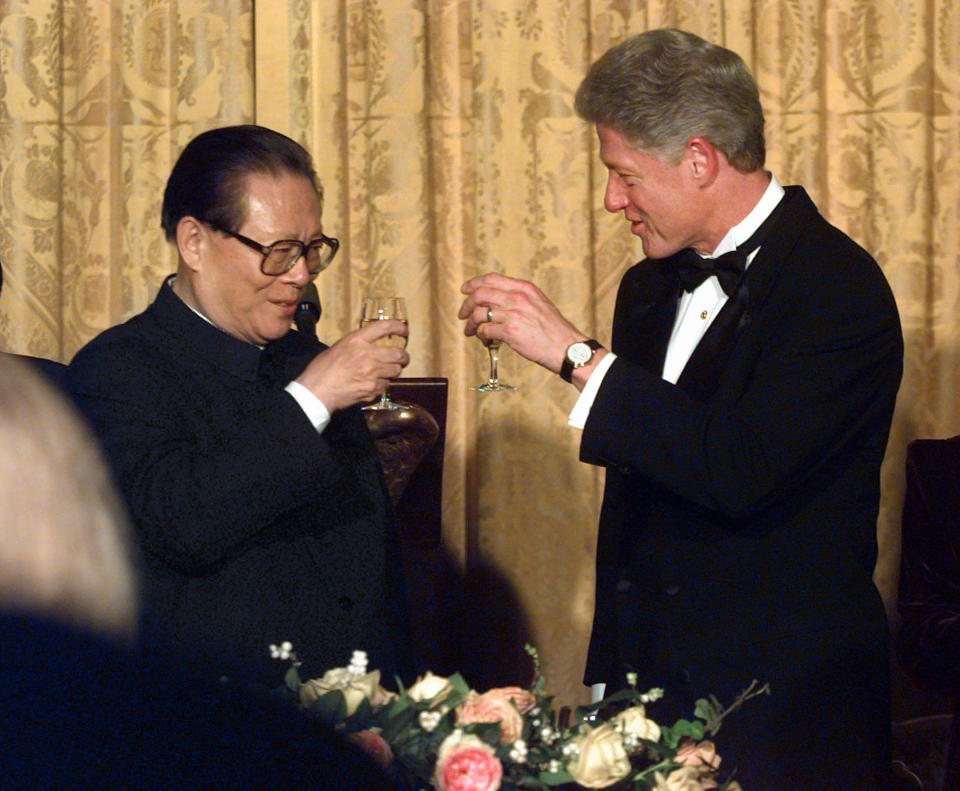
x=283 y=255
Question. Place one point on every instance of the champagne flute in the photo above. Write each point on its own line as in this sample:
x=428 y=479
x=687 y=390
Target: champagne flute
x=380 y=309
x=493 y=383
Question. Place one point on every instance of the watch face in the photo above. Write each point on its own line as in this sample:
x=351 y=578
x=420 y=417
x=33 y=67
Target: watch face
x=579 y=353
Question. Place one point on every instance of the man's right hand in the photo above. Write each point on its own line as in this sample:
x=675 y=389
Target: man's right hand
x=355 y=370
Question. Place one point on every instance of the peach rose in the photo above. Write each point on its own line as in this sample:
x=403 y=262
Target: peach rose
x=466 y=763
x=634 y=721
x=374 y=745
x=700 y=754
x=354 y=688
x=429 y=687
x=505 y=705
x=686 y=778
x=601 y=759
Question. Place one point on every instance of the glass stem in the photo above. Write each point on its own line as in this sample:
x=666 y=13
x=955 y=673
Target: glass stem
x=494 y=350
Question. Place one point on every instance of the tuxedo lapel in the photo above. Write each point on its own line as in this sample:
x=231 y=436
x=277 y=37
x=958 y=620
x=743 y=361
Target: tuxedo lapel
x=702 y=373
x=644 y=316
x=704 y=370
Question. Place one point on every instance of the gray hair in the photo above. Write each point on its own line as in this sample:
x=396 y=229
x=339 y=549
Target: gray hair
x=662 y=87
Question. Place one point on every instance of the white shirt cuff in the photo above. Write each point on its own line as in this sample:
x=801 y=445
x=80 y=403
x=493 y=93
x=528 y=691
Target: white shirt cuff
x=315 y=410
x=581 y=410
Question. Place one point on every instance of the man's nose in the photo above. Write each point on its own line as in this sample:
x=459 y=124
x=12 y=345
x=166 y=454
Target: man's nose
x=298 y=274
x=615 y=196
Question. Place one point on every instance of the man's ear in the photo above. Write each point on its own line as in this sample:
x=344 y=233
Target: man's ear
x=192 y=239
x=703 y=160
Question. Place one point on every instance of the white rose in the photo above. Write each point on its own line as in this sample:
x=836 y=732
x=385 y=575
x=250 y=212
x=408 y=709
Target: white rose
x=429 y=687
x=355 y=689
x=601 y=759
x=634 y=721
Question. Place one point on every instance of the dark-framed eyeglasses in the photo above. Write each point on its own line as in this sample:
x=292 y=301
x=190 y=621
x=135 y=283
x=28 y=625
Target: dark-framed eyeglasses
x=280 y=257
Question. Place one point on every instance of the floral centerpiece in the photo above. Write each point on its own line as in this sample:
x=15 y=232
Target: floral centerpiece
x=444 y=734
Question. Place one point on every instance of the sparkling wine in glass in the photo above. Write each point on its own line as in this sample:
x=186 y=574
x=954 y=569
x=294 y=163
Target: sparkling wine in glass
x=380 y=309
x=493 y=383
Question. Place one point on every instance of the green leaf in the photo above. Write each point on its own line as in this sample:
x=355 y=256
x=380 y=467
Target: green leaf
x=399 y=721
x=458 y=684
x=292 y=679
x=556 y=778
x=361 y=717
x=396 y=707
x=330 y=708
x=672 y=735
x=525 y=781
x=708 y=710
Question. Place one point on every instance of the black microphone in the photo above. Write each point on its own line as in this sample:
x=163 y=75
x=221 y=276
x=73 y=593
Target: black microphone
x=308 y=311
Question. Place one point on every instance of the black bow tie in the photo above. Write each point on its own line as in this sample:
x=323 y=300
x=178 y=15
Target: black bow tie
x=692 y=269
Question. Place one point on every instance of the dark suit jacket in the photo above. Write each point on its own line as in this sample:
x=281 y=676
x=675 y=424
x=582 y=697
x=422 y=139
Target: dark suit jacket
x=928 y=642
x=253 y=528
x=738 y=531
x=79 y=712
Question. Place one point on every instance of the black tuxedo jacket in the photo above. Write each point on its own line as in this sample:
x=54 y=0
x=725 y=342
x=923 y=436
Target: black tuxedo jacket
x=738 y=532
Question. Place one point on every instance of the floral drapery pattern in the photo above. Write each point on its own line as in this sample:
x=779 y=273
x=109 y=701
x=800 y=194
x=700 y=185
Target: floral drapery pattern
x=444 y=134
x=96 y=101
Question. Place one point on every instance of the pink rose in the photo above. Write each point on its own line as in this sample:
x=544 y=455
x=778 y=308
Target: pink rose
x=505 y=705
x=374 y=745
x=466 y=763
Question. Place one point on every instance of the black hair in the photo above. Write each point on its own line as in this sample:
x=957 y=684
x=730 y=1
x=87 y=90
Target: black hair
x=206 y=181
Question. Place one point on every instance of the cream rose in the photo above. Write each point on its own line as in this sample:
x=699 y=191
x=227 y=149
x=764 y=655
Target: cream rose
x=355 y=688
x=429 y=687
x=466 y=763
x=634 y=721
x=505 y=705
x=601 y=759
x=686 y=778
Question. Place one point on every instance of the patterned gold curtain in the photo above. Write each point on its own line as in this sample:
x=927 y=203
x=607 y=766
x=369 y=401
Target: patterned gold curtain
x=444 y=134
x=96 y=100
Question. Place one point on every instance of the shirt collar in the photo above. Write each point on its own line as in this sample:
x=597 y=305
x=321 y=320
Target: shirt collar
x=744 y=229
x=203 y=337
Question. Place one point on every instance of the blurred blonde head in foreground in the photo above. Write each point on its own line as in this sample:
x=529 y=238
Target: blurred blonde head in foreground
x=64 y=536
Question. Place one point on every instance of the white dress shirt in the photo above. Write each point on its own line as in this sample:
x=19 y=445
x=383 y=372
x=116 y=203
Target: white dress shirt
x=696 y=310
